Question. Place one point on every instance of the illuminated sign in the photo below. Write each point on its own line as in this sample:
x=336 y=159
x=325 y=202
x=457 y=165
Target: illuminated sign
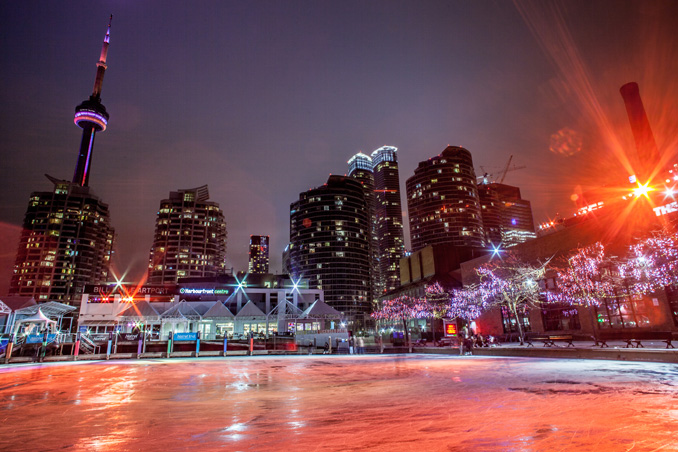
x=185 y=336
x=450 y=328
x=128 y=293
x=666 y=209
x=37 y=338
x=202 y=291
x=129 y=289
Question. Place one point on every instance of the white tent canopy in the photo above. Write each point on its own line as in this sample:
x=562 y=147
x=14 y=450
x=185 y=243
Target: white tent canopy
x=320 y=310
x=36 y=323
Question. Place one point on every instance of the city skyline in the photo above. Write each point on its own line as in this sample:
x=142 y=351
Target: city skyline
x=237 y=96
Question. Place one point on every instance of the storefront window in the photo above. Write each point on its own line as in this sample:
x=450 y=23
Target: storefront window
x=509 y=321
x=558 y=316
x=625 y=312
x=672 y=295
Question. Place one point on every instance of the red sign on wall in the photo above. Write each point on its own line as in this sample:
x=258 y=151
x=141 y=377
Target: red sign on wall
x=450 y=328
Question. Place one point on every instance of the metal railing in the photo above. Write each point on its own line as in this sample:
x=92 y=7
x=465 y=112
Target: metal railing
x=87 y=345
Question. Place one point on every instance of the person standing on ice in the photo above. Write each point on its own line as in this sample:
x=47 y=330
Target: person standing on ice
x=361 y=345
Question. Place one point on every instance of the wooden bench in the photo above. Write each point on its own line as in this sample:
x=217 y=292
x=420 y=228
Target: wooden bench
x=549 y=340
x=634 y=339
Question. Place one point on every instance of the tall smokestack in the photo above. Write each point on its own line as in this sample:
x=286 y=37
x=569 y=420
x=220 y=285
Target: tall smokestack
x=646 y=147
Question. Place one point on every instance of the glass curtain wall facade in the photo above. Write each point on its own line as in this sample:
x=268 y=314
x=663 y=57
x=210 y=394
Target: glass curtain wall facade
x=389 y=217
x=360 y=168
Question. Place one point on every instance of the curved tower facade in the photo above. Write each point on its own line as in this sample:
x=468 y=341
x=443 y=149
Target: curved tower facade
x=389 y=217
x=443 y=202
x=360 y=169
x=190 y=238
x=330 y=245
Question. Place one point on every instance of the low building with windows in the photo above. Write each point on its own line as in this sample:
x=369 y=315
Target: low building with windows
x=616 y=227
x=225 y=305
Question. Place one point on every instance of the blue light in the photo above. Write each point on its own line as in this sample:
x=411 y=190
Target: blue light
x=241 y=284
x=295 y=284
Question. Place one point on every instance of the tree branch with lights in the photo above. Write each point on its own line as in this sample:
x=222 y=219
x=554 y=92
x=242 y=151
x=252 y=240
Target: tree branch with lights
x=586 y=276
x=511 y=282
x=402 y=309
x=652 y=263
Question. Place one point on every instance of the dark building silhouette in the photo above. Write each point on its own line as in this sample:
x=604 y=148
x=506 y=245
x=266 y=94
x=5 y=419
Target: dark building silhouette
x=507 y=218
x=190 y=238
x=258 y=256
x=389 y=217
x=330 y=245
x=648 y=158
x=67 y=239
x=443 y=201
x=490 y=208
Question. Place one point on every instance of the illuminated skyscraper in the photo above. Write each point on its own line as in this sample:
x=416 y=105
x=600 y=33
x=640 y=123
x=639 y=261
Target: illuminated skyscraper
x=190 y=238
x=258 y=262
x=329 y=245
x=67 y=239
x=360 y=169
x=443 y=202
x=389 y=217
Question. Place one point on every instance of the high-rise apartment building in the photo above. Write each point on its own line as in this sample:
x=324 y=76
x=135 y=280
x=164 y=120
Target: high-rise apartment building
x=491 y=210
x=67 y=239
x=190 y=238
x=330 y=245
x=517 y=223
x=361 y=169
x=258 y=256
x=389 y=217
x=66 y=242
x=443 y=201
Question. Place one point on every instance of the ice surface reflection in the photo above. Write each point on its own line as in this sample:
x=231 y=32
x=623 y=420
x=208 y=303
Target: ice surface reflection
x=377 y=403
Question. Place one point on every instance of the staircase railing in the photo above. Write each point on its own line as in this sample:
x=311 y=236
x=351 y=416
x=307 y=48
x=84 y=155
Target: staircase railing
x=87 y=345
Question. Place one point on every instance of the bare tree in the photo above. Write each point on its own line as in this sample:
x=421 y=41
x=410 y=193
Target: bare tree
x=510 y=282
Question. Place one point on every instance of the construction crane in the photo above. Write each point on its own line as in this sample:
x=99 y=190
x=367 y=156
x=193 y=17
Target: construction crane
x=486 y=175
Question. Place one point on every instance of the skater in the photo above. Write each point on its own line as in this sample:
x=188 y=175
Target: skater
x=361 y=345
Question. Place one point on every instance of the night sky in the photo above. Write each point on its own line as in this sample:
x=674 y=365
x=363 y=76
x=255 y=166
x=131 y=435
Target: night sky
x=263 y=100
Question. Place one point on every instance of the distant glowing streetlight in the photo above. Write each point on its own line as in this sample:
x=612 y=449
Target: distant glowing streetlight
x=643 y=189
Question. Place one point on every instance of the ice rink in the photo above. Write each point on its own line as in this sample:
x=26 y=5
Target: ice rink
x=340 y=403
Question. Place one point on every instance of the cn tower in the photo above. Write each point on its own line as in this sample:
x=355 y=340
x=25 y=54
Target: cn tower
x=92 y=117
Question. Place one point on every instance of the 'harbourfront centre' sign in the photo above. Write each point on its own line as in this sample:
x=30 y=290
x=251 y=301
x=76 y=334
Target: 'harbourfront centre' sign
x=202 y=291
